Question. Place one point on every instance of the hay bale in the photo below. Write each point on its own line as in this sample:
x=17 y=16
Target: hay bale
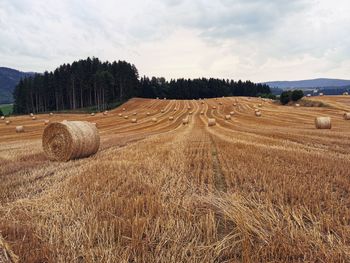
x=33 y=118
x=51 y=114
x=19 y=129
x=202 y=112
x=31 y=115
x=297 y=105
x=126 y=117
x=220 y=103
x=256 y=110
x=232 y=113
x=120 y=115
x=258 y=114
x=124 y=109
x=67 y=140
x=259 y=105
x=8 y=122
x=105 y=113
x=6 y=254
x=3 y=117
x=346 y=116
x=346 y=93
x=323 y=123
x=202 y=102
x=135 y=113
x=211 y=122
x=162 y=111
x=188 y=108
x=171 y=118
x=235 y=104
x=175 y=109
x=190 y=113
x=148 y=113
x=214 y=108
x=157 y=98
x=154 y=119
x=321 y=94
x=133 y=120
x=308 y=95
x=228 y=117
x=92 y=114
x=46 y=122
x=185 y=121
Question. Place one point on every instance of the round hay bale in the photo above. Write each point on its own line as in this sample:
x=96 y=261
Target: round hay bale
x=92 y=114
x=234 y=104
x=164 y=99
x=157 y=98
x=67 y=140
x=202 y=102
x=120 y=115
x=232 y=113
x=259 y=105
x=346 y=116
x=323 y=123
x=258 y=114
x=188 y=107
x=256 y=110
x=297 y=105
x=46 y=122
x=220 y=103
x=308 y=95
x=185 y=121
x=105 y=113
x=202 y=112
x=133 y=120
x=124 y=109
x=162 y=111
x=171 y=118
x=154 y=119
x=3 y=117
x=33 y=118
x=148 y=113
x=51 y=114
x=19 y=129
x=135 y=113
x=31 y=115
x=211 y=122
x=346 y=93
x=175 y=109
x=126 y=117
x=8 y=122
x=228 y=117
x=321 y=94
x=214 y=107
x=190 y=113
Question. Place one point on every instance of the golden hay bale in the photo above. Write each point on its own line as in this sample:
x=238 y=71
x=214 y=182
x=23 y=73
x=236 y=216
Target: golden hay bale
x=259 y=105
x=51 y=114
x=220 y=103
x=297 y=105
x=133 y=120
x=6 y=254
x=164 y=98
x=126 y=117
x=185 y=121
x=323 y=123
x=105 y=113
x=346 y=116
x=120 y=115
x=258 y=114
x=135 y=113
x=19 y=129
x=67 y=140
x=214 y=107
x=190 y=113
x=234 y=104
x=31 y=115
x=308 y=95
x=228 y=117
x=175 y=109
x=8 y=122
x=211 y=122
x=3 y=117
x=124 y=109
x=33 y=118
x=202 y=112
x=154 y=119
x=148 y=113
x=157 y=98
x=321 y=94
x=188 y=107
x=232 y=113
x=92 y=114
x=46 y=122
x=202 y=102
x=171 y=118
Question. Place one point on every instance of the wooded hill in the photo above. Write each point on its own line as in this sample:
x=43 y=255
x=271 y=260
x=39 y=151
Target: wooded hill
x=92 y=83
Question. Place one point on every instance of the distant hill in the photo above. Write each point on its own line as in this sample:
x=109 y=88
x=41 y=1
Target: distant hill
x=309 y=84
x=9 y=78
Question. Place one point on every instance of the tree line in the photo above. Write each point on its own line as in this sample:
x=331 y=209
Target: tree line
x=92 y=83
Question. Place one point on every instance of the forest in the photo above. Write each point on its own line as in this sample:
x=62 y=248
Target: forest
x=92 y=83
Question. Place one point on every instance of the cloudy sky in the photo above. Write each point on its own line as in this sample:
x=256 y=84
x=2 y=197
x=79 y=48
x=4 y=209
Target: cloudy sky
x=259 y=40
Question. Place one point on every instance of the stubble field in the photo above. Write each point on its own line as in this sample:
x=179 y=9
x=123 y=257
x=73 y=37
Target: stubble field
x=250 y=189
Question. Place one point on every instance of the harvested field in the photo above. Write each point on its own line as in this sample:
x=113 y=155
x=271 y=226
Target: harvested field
x=267 y=189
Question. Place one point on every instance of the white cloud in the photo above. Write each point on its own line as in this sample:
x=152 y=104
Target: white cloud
x=249 y=39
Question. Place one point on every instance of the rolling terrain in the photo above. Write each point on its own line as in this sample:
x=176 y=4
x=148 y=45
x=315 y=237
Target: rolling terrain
x=250 y=189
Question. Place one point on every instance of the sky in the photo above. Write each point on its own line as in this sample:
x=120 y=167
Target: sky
x=259 y=40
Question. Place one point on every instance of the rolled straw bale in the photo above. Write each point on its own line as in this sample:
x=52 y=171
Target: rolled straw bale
x=188 y=107
x=321 y=94
x=228 y=117
x=171 y=118
x=232 y=113
x=135 y=113
x=202 y=112
x=67 y=140
x=202 y=102
x=157 y=98
x=162 y=111
x=211 y=122
x=92 y=114
x=234 y=104
x=346 y=116
x=148 y=113
x=6 y=254
x=308 y=95
x=346 y=93
x=120 y=115
x=154 y=119
x=126 y=117
x=105 y=113
x=175 y=109
x=31 y=115
x=164 y=98
x=190 y=113
x=124 y=109
x=185 y=121
x=46 y=122
x=323 y=123
x=214 y=107
x=51 y=114
x=258 y=114
x=19 y=129
x=8 y=122
x=133 y=120
x=220 y=103
x=3 y=117
x=259 y=105
x=297 y=105
x=33 y=118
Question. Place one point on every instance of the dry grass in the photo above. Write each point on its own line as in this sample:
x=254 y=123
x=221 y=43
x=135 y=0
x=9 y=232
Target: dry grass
x=164 y=192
